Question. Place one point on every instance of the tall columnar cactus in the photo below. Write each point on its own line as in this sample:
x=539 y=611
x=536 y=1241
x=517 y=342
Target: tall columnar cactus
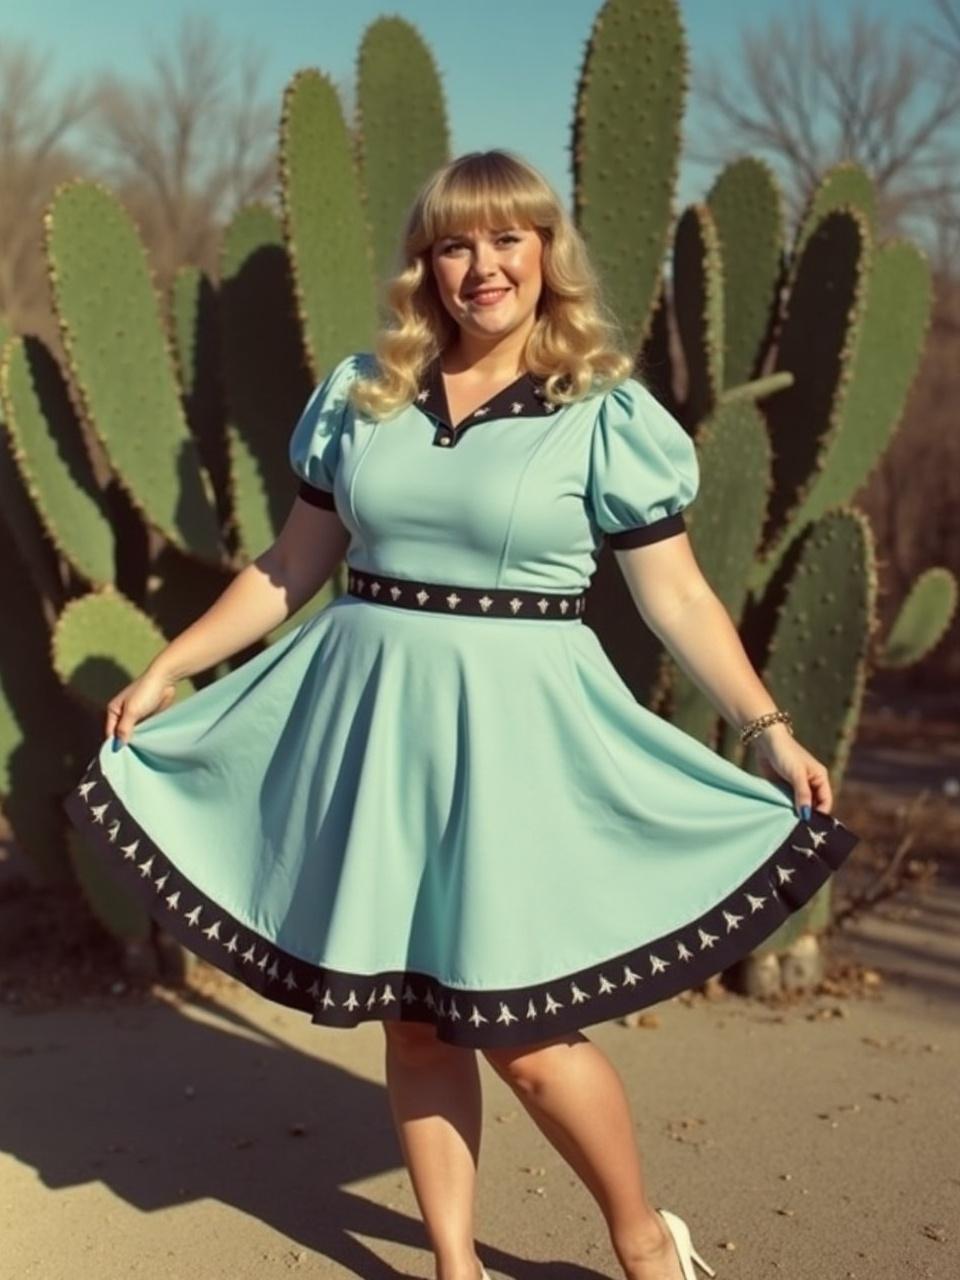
x=626 y=149
x=401 y=130
x=45 y=442
x=121 y=362
x=746 y=205
x=324 y=224
x=698 y=298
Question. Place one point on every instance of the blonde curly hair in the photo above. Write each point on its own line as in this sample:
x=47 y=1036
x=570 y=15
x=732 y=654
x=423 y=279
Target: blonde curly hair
x=576 y=343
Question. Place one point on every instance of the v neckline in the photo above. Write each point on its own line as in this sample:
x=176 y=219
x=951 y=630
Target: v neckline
x=484 y=404
x=524 y=397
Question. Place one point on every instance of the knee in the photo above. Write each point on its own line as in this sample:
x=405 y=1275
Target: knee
x=528 y=1067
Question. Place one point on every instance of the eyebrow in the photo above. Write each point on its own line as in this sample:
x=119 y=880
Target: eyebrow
x=461 y=235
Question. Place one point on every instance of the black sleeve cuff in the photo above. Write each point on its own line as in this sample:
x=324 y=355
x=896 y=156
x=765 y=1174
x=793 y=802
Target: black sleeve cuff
x=316 y=497
x=665 y=527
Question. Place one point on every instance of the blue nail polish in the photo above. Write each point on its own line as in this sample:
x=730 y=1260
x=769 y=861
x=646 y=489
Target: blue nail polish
x=805 y=812
x=117 y=743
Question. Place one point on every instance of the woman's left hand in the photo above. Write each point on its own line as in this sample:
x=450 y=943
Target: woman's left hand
x=780 y=755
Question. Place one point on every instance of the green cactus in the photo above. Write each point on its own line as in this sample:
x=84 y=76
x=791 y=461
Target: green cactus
x=121 y=363
x=402 y=133
x=841 y=186
x=266 y=381
x=324 y=225
x=734 y=457
x=101 y=641
x=46 y=444
x=626 y=150
x=20 y=514
x=821 y=641
x=698 y=305
x=883 y=331
x=746 y=204
x=924 y=619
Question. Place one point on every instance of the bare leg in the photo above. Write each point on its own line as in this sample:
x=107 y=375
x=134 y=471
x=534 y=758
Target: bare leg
x=436 y=1104
x=574 y=1094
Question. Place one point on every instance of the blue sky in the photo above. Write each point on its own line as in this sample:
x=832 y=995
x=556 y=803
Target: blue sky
x=485 y=51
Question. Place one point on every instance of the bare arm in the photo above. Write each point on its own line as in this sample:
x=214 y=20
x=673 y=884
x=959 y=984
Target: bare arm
x=308 y=548
x=679 y=605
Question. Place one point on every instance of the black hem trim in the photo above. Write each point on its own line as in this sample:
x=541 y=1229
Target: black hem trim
x=316 y=497
x=665 y=527
x=621 y=984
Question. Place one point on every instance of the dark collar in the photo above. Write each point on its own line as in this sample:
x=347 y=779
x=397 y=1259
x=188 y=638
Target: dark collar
x=523 y=398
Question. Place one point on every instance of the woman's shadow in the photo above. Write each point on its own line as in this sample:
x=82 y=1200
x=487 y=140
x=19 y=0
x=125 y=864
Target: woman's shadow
x=164 y=1108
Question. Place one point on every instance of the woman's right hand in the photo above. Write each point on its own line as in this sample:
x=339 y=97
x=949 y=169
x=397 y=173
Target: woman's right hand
x=149 y=693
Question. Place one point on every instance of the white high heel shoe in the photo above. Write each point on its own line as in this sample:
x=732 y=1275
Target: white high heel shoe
x=685 y=1250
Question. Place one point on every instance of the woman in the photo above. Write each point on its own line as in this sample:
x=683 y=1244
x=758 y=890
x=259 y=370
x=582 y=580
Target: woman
x=435 y=803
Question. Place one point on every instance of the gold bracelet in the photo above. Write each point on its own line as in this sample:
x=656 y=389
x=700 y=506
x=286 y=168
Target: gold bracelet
x=753 y=727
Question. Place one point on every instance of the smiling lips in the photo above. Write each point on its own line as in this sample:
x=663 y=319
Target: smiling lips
x=488 y=297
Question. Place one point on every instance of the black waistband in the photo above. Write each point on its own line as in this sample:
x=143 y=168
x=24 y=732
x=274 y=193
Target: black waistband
x=447 y=597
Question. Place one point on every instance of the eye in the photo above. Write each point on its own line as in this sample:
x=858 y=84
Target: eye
x=457 y=244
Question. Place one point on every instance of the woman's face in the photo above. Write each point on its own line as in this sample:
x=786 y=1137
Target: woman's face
x=508 y=260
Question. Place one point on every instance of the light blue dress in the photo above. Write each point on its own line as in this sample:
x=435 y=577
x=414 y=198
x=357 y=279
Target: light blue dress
x=454 y=818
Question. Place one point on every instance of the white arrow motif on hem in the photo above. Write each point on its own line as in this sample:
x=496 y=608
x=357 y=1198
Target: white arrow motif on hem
x=477 y=1017
x=550 y=1005
x=707 y=939
x=289 y=981
x=249 y=954
x=605 y=985
x=657 y=965
x=274 y=970
x=173 y=900
x=351 y=1001
x=388 y=997
x=194 y=915
x=85 y=788
x=785 y=873
x=328 y=1000
x=98 y=810
x=733 y=921
x=232 y=945
x=213 y=930
x=130 y=850
x=578 y=996
x=455 y=1014
x=818 y=837
x=146 y=866
x=531 y=1009
x=113 y=829
x=409 y=996
x=629 y=977
x=684 y=952
x=506 y=1016
x=755 y=902
x=802 y=848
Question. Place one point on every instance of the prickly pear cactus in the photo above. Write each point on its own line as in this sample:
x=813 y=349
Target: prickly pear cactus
x=121 y=363
x=924 y=619
x=626 y=149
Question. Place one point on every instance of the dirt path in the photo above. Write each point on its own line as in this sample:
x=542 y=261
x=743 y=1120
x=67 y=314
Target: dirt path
x=230 y=1138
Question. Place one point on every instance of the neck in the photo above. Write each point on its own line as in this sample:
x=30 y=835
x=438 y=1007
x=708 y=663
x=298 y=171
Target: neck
x=491 y=358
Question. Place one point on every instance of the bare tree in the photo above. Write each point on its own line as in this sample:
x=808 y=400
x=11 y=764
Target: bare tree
x=35 y=154
x=183 y=151
x=805 y=97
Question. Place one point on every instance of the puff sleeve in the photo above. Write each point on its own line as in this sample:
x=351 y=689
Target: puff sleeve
x=643 y=468
x=314 y=449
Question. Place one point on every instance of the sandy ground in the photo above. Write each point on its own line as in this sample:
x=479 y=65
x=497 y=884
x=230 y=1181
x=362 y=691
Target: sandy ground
x=227 y=1137
x=223 y=1136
